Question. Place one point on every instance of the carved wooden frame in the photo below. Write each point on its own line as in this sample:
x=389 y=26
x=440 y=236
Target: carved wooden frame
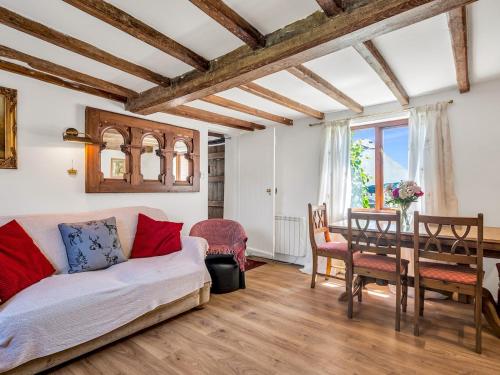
x=10 y=160
x=134 y=130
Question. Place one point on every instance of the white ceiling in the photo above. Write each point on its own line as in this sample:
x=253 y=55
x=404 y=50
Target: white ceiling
x=420 y=55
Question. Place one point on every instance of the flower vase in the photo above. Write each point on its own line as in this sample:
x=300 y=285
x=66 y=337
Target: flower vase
x=405 y=217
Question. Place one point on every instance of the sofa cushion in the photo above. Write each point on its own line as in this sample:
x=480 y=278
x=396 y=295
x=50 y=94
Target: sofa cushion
x=21 y=262
x=44 y=232
x=93 y=245
x=156 y=238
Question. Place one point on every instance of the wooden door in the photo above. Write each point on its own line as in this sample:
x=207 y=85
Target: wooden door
x=216 y=156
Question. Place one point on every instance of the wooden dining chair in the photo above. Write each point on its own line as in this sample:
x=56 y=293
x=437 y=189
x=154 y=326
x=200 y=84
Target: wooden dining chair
x=452 y=248
x=318 y=223
x=376 y=257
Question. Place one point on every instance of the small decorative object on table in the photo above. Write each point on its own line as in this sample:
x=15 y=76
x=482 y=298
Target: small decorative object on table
x=403 y=195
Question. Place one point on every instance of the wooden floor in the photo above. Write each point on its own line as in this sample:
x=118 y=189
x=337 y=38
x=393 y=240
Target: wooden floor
x=278 y=325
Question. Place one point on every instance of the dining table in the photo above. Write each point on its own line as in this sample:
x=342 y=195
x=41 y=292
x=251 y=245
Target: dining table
x=491 y=249
x=491 y=236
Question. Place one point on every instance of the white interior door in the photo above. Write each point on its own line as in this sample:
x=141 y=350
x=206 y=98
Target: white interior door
x=256 y=190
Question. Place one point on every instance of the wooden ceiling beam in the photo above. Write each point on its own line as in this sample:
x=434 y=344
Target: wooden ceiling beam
x=19 y=69
x=57 y=38
x=272 y=96
x=330 y=7
x=457 y=24
x=61 y=71
x=232 y=21
x=374 y=58
x=125 y=22
x=212 y=117
x=301 y=41
x=230 y=104
x=321 y=84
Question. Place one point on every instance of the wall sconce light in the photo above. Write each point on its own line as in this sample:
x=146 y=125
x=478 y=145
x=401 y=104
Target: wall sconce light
x=73 y=135
x=72 y=171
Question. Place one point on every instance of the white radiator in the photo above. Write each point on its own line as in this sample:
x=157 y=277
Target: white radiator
x=291 y=235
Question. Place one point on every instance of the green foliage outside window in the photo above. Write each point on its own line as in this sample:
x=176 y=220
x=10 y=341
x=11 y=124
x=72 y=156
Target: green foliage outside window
x=358 y=174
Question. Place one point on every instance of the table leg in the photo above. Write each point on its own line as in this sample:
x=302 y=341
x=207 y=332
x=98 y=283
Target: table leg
x=356 y=289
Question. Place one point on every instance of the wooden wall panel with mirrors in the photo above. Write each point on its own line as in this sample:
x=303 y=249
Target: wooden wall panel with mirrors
x=8 y=128
x=133 y=155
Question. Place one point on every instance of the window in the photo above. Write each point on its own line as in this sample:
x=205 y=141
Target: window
x=379 y=157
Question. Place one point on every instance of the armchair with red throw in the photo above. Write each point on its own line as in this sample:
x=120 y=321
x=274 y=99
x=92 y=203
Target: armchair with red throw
x=226 y=238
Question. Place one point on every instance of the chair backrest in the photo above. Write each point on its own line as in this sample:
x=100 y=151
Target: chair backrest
x=449 y=246
x=371 y=231
x=219 y=231
x=318 y=223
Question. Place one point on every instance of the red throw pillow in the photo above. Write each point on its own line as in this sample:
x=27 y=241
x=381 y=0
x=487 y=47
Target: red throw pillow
x=21 y=262
x=154 y=238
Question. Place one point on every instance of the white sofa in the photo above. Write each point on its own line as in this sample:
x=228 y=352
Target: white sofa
x=67 y=315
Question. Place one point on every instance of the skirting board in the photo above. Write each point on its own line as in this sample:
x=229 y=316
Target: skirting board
x=161 y=313
x=258 y=253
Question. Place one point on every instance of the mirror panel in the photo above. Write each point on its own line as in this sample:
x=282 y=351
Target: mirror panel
x=150 y=161
x=113 y=160
x=181 y=163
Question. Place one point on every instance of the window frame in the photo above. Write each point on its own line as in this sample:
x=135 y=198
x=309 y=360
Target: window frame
x=379 y=152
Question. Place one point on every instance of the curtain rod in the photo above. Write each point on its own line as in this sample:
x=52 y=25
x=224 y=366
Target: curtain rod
x=372 y=115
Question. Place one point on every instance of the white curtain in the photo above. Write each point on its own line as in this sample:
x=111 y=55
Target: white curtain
x=335 y=178
x=430 y=159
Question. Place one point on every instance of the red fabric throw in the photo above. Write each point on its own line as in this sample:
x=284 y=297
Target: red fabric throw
x=21 y=262
x=223 y=237
x=154 y=238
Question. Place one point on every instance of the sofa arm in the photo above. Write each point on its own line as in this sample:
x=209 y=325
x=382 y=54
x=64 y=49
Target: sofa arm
x=195 y=248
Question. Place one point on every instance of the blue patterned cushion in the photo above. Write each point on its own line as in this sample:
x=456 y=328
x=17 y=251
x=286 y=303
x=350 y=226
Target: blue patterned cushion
x=93 y=245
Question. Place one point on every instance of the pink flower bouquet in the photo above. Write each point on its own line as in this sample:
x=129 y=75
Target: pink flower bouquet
x=403 y=195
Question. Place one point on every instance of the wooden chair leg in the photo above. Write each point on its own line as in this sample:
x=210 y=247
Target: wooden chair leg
x=328 y=272
x=360 y=289
x=398 y=303
x=478 y=322
x=416 y=315
x=422 y=301
x=405 y=290
x=314 y=270
x=349 y=276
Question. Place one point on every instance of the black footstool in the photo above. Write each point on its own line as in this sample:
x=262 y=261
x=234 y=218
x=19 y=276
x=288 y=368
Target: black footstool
x=225 y=273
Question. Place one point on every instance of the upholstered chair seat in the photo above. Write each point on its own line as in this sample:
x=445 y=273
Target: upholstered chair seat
x=334 y=249
x=378 y=262
x=448 y=272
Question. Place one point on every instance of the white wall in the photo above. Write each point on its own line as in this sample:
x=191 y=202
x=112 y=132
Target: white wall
x=41 y=183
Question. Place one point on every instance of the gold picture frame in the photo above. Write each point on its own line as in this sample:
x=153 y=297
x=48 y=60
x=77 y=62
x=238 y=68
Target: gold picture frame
x=117 y=168
x=8 y=128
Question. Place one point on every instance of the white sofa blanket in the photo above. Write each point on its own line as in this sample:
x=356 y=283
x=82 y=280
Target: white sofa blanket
x=66 y=310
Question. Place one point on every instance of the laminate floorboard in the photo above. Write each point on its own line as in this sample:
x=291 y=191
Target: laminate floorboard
x=279 y=325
